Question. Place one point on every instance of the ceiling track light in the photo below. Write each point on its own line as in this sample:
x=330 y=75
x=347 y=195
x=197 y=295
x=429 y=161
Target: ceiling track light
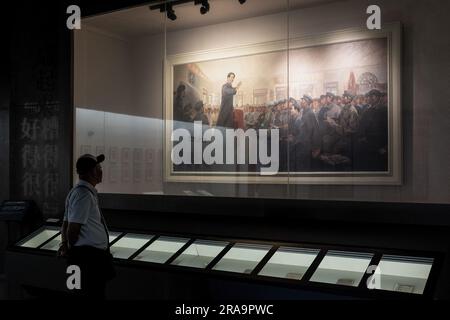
x=171 y=13
x=204 y=9
x=167 y=6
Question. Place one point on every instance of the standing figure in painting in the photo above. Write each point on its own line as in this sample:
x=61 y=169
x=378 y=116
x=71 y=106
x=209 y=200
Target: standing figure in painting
x=179 y=103
x=214 y=116
x=250 y=120
x=284 y=134
x=225 y=118
x=322 y=102
x=266 y=118
x=384 y=99
x=329 y=115
x=200 y=114
x=359 y=105
x=372 y=147
x=305 y=147
x=346 y=127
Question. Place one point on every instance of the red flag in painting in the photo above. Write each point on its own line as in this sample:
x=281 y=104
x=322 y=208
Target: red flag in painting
x=352 y=83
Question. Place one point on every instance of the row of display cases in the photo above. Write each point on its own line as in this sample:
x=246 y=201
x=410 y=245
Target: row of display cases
x=379 y=270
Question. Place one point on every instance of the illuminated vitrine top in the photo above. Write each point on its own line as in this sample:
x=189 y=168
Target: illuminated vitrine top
x=200 y=253
x=289 y=263
x=242 y=258
x=38 y=237
x=113 y=236
x=53 y=245
x=161 y=250
x=126 y=246
x=342 y=268
x=403 y=274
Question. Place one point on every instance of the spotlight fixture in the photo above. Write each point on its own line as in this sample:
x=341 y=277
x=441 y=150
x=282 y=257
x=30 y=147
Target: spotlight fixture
x=168 y=5
x=205 y=7
x=171 y=13
x=242 y=1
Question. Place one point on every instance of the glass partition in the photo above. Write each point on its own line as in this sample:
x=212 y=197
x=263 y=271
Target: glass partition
x=164 y=100
x=121 y=112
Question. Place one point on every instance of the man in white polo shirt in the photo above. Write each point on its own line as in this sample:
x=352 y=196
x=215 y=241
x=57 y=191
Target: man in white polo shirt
x=85 y=238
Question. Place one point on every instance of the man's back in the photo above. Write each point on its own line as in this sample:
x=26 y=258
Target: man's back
x=82 y=208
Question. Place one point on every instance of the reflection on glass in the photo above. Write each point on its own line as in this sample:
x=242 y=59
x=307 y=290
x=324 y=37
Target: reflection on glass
x=404 y=274
x=39 y=237
x=161 y=249
x=53 y=245
x=342 y=268
x=129 y=244
x=289 y=263
x=242 y=258
x=130 y=143
x=113 y=235
x=200 y=253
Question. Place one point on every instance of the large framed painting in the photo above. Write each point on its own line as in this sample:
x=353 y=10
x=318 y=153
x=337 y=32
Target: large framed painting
x=321 y=109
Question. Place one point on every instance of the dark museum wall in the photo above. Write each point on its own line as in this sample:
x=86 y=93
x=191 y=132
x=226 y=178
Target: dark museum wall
x=4 y=125
x=4 y=139
x=41 y=143
x=5 y=95
x=40 y=108
x=36 y=101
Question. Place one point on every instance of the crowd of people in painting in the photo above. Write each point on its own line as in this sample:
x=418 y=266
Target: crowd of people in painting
x=328 y=133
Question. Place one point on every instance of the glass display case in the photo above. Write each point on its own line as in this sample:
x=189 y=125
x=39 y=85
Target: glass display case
x=397 y=272
x=200 y=253
x=289 y=263
x=342 y=268
x=242 y=258
x=404 y=274
x=161 y=249
x=126 y=246
x=37 y=238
